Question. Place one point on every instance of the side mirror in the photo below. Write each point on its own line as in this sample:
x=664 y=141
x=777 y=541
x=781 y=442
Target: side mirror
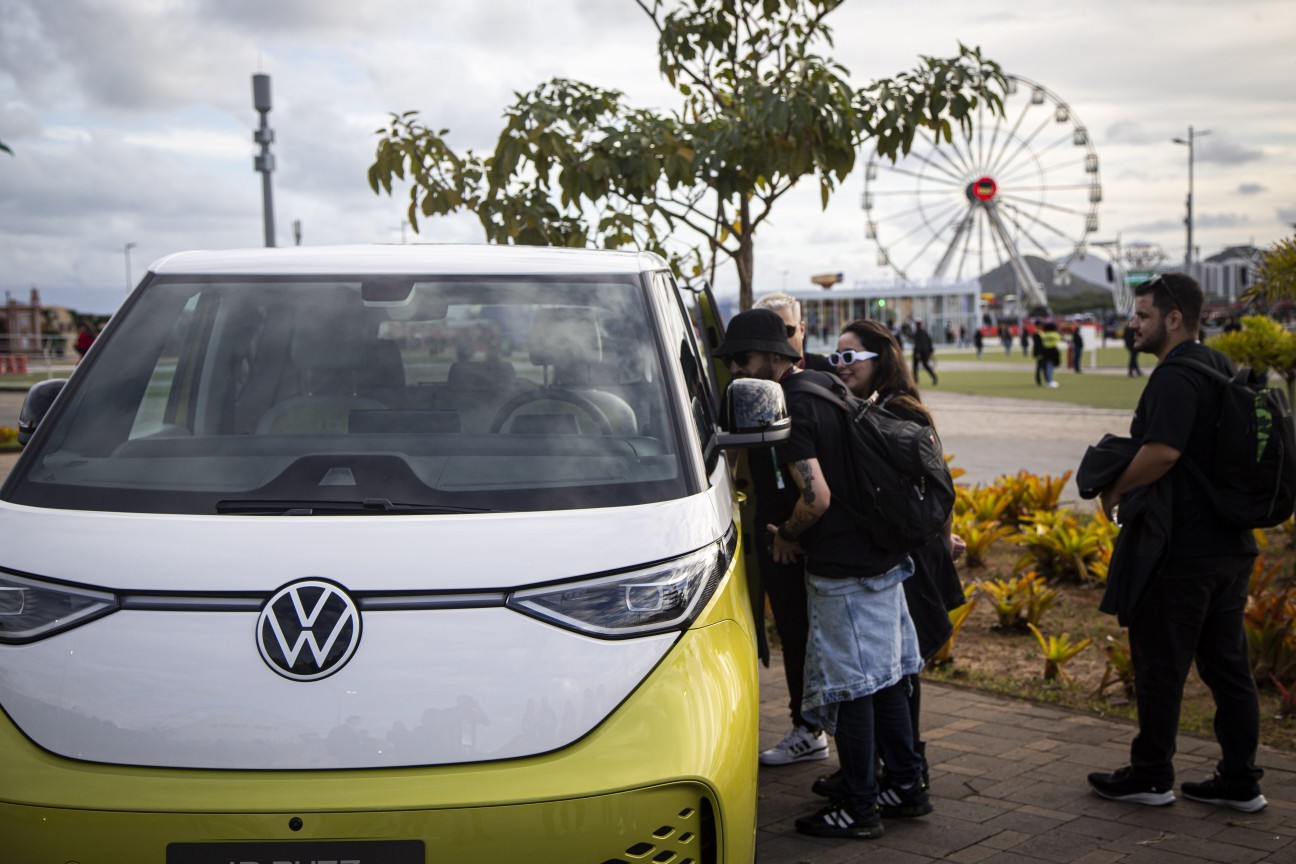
x=755 y=414
x=36 y=405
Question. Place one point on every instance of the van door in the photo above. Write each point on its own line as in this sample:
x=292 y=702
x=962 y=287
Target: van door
x=708 y=323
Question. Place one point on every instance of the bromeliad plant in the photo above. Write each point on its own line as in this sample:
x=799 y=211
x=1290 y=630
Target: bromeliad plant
x=1021 y=602
x=1030 y=493
x=979 y=535
x=1120 y=668
x=1270 y=625
x=957 y=616
x=1008 y=600
x=1039 y=597
x=982 y=503
x=1018 y=601
x=1061 y=547
x=1058 y=651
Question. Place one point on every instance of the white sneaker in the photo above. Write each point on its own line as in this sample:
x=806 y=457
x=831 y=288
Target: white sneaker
x=1053 y=384
x=798 y=745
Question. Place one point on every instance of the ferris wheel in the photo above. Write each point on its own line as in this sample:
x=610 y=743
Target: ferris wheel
x=1017 y=184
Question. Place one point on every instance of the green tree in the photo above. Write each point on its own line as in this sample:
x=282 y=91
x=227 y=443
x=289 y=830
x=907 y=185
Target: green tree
x=1276 y=275
x=1264 y=345
x=762 y=110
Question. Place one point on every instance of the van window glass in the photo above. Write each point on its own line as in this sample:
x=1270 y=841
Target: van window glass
x=681 y=335
x=493 y=393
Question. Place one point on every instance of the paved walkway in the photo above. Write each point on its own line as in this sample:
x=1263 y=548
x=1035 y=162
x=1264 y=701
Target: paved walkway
x=1008 y=784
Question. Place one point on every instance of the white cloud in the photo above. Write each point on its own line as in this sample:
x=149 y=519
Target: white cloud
x=131 y=120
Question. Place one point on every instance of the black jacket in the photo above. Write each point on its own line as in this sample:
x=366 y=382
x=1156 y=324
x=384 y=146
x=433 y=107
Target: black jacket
x=1145 y=513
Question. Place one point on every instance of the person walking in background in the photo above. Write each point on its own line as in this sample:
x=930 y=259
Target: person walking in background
x=979 y=341
x=1037 y=351
x=1025 y=339
x=923 y=351
x=1197 y=576
x=85 y=338
x=1133 y=370
x=1077 y=350
x=784 y=584
x=868 y=360
x=1051 y=339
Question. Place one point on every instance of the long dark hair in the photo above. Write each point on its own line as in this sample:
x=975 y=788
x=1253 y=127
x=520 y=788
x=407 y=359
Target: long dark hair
x=891 y=377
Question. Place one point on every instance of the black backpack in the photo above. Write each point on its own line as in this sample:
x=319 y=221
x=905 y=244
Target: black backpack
x=1253 y=471
x=901 y=477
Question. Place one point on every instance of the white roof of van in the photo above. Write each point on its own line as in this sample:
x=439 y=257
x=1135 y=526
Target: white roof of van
x=412 y=259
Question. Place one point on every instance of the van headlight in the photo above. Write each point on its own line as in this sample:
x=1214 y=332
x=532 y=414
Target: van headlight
x=665 y=596
x=31 y=609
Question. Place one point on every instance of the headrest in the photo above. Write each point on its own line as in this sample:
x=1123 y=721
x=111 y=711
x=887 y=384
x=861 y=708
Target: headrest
x=328 y=344
x=485 y=376
x=331 y=333
x=563 y=335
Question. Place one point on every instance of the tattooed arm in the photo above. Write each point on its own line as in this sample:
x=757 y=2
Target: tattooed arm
x=812 y=504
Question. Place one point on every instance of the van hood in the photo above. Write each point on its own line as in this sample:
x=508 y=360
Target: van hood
x=183 y=686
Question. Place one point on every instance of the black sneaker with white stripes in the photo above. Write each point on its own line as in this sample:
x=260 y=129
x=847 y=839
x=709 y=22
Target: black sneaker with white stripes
x=895 y=801
x=839 y=819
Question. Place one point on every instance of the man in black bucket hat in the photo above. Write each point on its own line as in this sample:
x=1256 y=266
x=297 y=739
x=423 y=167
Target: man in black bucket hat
x=753 y=340
x=756 y=331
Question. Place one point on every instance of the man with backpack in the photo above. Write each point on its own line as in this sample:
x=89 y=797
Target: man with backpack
x=862 y=640
x=1196 y=575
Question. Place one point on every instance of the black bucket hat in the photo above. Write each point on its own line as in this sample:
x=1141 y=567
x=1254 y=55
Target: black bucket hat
x=756 y=330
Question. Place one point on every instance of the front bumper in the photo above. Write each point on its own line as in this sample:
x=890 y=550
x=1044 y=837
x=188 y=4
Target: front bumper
x=673 y=769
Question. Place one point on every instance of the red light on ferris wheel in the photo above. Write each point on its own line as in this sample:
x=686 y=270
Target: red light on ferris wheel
x=984 y=189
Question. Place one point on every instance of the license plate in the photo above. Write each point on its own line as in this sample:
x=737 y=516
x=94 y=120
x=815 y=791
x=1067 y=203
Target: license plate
x=306 y=852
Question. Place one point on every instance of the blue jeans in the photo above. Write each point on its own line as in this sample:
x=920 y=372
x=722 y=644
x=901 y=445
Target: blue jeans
x=862 y=640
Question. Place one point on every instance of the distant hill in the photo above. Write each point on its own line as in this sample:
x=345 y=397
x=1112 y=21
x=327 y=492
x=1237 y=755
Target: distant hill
x=1001 y=281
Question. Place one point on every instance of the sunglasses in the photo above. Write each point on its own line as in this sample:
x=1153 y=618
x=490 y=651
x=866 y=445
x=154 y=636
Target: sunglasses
x=850 y=357
x=740 y=359
x=792 y=330
x=1157 y=282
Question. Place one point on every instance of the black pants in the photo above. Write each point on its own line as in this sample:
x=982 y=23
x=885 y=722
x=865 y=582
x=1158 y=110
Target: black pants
x=784 y=584
x=872 y=726
x=925 y=360
x=1187 y=615
x=1133 y=370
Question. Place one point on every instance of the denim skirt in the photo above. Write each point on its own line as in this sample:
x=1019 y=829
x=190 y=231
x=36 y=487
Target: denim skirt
x=862 y=640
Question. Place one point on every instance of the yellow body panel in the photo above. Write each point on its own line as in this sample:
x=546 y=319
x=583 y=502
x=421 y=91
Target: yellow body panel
x=674 y=768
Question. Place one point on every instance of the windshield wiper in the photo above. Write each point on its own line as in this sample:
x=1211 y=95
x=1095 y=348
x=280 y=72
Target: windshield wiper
x=363 y=507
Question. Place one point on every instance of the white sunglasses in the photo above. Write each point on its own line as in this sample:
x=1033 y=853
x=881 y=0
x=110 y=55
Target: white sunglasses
x=849 y=357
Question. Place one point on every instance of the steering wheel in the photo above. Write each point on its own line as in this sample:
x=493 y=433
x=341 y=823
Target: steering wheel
x=525 y=398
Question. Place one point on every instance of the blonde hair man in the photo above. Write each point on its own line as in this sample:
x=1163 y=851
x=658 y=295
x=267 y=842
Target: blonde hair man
x=788 y=308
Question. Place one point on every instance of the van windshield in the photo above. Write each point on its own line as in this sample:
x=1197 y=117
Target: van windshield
x=383 y=395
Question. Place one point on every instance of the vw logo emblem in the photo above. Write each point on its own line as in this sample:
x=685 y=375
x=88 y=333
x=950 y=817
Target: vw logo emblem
x=308 y=630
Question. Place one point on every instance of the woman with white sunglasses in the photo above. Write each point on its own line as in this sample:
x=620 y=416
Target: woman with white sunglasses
x=869 y=360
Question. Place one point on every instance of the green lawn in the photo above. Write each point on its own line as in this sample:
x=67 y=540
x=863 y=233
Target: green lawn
x=1095 y=391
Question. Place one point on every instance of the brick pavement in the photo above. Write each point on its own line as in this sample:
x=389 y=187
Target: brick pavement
x=1008 y=783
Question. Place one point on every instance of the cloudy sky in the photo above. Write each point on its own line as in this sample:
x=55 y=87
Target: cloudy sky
x=131 y=121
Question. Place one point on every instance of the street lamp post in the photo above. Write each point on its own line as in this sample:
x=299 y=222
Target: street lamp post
x=126 y=250
x=1188 y=252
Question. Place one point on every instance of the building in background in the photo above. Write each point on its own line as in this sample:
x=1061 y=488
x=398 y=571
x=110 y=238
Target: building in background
x=21 y=325
x=1227 y=274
